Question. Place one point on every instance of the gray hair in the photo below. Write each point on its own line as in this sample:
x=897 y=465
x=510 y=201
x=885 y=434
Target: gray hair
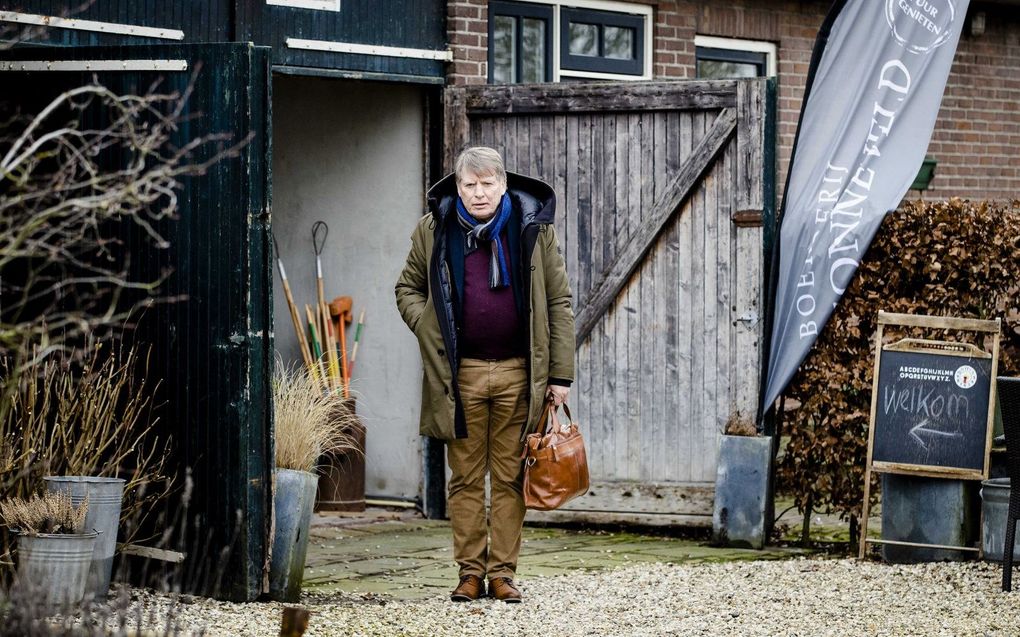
x=480 y=160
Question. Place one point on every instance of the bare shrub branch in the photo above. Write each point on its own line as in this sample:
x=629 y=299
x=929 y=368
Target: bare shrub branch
x=69 y=194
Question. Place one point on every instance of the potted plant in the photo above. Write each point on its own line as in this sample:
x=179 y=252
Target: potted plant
x=308 y=424
x=53 y=550
x=105 y=496
x=742 y=514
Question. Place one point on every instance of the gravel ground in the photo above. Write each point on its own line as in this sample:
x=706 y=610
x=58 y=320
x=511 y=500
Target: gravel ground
x=792 y=597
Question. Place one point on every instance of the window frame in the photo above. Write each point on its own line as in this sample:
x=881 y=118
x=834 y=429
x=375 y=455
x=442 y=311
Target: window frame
x=642 y=12
x=740 y=51
x=602 y=19
x=519 y=10
x=318 y=5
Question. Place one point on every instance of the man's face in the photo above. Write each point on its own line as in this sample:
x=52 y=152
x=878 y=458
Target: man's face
x=480 y=193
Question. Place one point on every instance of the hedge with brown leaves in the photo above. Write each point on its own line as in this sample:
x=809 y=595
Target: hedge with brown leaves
x=953 y=258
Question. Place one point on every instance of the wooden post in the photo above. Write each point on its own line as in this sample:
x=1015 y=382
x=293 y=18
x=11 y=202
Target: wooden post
x=294 y=622
x=871 y=446
x=992 y=396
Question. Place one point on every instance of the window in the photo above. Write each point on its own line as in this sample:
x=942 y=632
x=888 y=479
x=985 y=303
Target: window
x=601 y=41
x=542 y=41
x=728 y=58
x=520 y=42
x=323 y=5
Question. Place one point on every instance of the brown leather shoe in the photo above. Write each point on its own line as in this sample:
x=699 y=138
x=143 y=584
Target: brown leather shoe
x=502 y=588
x=471 y=587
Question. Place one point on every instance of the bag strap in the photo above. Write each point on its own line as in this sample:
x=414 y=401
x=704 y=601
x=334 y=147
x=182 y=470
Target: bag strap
x=540 y=425
x=548 y=422
x=553 y=423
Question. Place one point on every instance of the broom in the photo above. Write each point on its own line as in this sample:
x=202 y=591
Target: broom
x=322 y=313
x=298 y=329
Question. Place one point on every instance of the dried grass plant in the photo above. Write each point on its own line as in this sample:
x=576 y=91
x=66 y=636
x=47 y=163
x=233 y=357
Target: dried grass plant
x=49 y=513
x=309 y=422
x=86 y=414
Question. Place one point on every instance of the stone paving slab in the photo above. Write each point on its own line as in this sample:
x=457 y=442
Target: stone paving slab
x=412 y=558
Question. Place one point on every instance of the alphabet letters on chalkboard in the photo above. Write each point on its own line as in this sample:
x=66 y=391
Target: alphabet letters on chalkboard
x=932 y=409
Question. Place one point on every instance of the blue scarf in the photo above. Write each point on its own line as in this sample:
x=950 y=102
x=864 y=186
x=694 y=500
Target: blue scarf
x=499 y=271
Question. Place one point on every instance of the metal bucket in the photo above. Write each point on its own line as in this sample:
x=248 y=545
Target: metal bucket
x=293 y=500
x=53 y=568
x=104 y=496
x=995 y=511
x=926 y=510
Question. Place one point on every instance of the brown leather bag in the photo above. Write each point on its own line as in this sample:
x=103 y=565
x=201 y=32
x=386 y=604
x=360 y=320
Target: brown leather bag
x=555 y=465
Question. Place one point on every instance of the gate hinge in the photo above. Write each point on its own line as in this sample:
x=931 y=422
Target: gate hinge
x=750 y=318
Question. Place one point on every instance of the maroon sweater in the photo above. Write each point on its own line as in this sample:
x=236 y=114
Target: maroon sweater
x=492 y=329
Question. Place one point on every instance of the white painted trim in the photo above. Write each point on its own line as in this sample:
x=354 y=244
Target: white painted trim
x=93 y=65
x=369 y=49
x=91 y=25
x=604 y=76
x=321 y=5
x=736 y=44
x=601 y=5
x=649 y=47
x=556 y=44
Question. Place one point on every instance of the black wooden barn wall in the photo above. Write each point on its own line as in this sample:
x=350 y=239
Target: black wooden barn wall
x=410 y=24
x=211 y=350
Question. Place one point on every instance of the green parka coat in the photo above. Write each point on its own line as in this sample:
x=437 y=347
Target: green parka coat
x=425 y=300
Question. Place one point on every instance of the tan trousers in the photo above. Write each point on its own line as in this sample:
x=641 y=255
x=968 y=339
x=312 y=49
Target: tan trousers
x=495 y=399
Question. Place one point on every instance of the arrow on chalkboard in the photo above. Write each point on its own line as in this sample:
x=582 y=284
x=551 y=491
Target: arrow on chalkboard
x=920 y=428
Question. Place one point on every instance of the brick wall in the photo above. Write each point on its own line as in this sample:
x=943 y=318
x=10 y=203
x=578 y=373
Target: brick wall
x=977 y=135
x=467 y=26
x=792 y=26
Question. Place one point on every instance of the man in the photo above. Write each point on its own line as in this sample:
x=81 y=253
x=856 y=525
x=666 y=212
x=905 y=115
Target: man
x=485 y=292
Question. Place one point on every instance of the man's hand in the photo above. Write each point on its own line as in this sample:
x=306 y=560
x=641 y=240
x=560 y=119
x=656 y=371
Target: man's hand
x=557 y=394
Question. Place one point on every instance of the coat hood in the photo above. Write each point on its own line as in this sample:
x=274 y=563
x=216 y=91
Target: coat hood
x=533 y=197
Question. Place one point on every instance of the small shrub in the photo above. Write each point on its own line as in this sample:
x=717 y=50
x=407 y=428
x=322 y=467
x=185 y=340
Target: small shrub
x=950 y=258
x=49 y=513
x=740 y=426
x=86 y=413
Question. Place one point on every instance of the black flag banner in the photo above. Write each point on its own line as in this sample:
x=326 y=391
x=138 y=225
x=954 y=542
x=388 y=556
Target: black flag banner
x=874 y=87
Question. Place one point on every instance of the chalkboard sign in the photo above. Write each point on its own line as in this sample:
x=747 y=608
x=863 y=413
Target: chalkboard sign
x=930 y=403
x=932 y=406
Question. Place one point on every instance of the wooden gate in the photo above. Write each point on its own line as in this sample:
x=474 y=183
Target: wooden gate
x=663 y=188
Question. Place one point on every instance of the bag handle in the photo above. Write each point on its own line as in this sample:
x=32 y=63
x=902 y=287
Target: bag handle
x=550 y=419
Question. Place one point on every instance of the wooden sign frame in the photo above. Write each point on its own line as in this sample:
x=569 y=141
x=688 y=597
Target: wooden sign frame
x=945 y=348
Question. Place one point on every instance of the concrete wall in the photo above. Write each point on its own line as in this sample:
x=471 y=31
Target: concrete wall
x=351 y=154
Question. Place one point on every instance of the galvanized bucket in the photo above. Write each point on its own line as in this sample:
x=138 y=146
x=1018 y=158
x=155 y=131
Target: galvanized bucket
x=293 y=501
x=104 y=496
x=995 y=511
x=53 y=568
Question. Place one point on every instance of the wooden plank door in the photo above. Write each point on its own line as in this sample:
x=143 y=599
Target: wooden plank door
x=662 y=190
x=212 y=348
